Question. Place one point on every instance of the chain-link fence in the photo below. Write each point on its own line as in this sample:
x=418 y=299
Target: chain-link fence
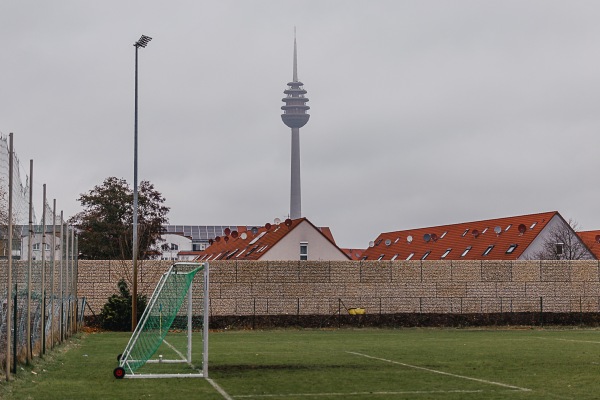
x=38 y=269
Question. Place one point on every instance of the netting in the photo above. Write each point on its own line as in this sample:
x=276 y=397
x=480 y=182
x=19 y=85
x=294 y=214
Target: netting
x=38 y=269
x=166 y=326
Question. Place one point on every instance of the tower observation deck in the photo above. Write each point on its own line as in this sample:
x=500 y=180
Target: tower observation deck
x=294 y=111
x=295 y=116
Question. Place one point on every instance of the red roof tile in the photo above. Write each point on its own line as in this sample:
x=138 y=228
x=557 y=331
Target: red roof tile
x=478 y=240
x=354 y=254
x=592 y=241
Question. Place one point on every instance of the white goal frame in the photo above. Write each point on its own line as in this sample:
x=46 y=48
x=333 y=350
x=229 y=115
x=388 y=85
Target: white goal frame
x=183 y=358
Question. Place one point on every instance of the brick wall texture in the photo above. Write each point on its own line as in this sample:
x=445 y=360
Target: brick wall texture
x=380 y=287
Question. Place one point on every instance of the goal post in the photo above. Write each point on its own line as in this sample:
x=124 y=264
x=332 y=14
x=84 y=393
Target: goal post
x=165 y=342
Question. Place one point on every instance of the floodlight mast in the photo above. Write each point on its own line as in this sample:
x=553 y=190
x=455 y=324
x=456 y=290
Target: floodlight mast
x=142 y=42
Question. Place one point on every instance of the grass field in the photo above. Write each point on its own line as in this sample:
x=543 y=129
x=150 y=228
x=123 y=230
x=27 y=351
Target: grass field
x=339 y=364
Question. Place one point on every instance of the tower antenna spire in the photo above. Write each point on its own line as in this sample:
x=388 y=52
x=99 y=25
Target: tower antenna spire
x=295 y=77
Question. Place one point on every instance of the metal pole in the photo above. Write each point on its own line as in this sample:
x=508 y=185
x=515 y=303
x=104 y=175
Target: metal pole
x=135 y=201
x=62 y=296
x=52 y=265
x=205 y=321
x=9 y=308
x=29 y=265
x=143 y=41
x=67 y=280
x=189 y=325
x=43 y=291
x=76 y=263
x=73 y=280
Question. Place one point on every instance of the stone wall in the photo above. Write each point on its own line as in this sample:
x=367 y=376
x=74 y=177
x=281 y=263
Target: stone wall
x=242 y=288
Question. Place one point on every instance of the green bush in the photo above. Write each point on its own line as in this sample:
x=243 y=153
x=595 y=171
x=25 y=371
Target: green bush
x=116 y=313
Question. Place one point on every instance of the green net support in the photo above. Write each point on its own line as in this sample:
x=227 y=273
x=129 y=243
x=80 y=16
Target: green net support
x=164 y=307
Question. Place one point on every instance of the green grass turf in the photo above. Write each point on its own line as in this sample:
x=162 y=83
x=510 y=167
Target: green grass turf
x=323 y=364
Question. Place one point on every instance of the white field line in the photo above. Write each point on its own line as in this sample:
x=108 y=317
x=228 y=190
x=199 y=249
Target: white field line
x=252 y=396
x=442 y=372
x=219 y=389
x=568 y=340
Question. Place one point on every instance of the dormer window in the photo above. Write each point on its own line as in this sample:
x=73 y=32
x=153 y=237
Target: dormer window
x=508 y=227
x=425 y=255
x=443 y=234
x=410 y=256
x=394 y=257
x=465 y=232
x=511 y=248
x=380 y=257
x=533 y=225
x=485 y=230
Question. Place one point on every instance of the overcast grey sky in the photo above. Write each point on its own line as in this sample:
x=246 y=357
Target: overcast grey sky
x=422 y=112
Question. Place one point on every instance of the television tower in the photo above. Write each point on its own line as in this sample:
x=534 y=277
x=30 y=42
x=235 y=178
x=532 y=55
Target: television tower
x=295 y=116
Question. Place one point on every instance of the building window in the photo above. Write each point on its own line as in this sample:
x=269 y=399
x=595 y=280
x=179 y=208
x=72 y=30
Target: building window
x=560 y=249
x=174 y=246
x=425 y=255
x=446 y=253
x=464 y=253
x=303 y=251
x=511 y=249
x=487 y=251
x=36 y=246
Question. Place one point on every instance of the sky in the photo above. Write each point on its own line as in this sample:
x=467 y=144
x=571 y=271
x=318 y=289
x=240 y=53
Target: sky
x=423 y=113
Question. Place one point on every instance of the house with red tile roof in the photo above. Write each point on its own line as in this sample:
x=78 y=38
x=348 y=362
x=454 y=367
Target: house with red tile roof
x=592 y=241
x=296 y=239
x=511 y=238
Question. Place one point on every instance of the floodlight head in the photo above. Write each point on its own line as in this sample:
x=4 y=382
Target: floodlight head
x=143 y=42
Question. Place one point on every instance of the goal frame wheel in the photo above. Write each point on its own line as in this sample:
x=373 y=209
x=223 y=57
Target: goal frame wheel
x=119 y=373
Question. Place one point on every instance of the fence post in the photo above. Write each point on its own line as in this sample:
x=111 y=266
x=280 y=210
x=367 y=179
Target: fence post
x=43 y=291
x=541 y=311
x=254 y=315
x=15 y=342
x=339 y=312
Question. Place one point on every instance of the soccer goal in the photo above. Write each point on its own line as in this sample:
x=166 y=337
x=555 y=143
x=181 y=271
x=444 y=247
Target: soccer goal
x=161 y=345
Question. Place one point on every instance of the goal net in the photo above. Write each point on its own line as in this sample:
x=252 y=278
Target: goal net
x=173 y=330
